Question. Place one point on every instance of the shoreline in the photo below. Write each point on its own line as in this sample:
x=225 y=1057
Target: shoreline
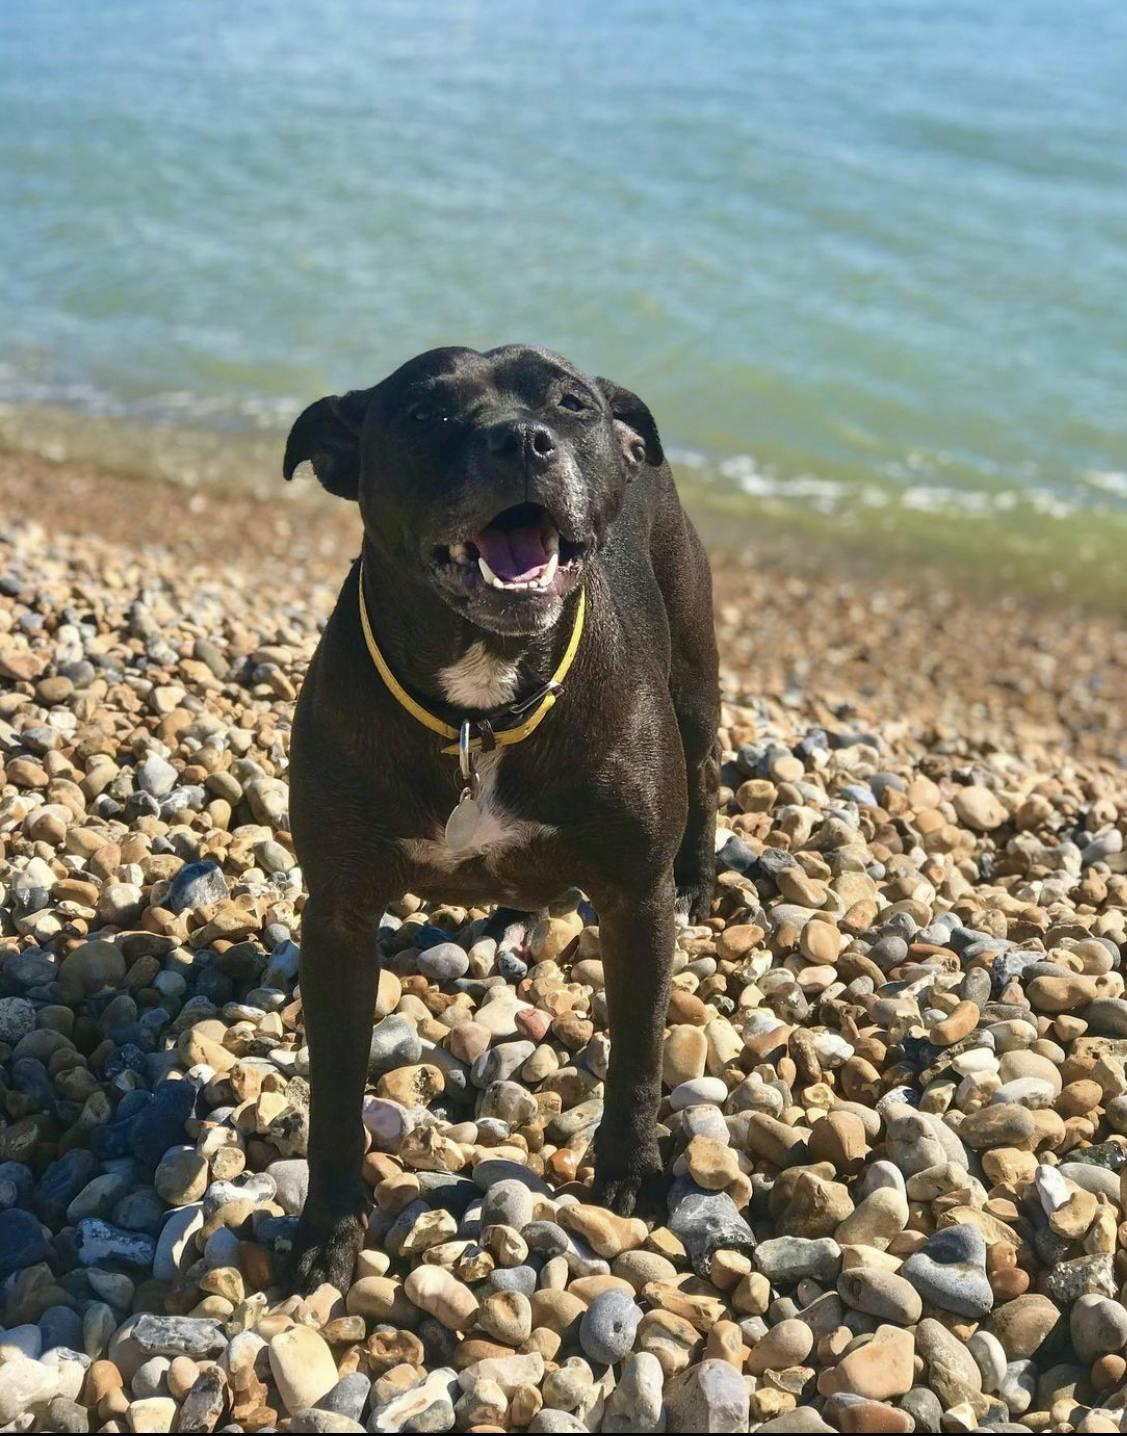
x=913 y=646
x=1029 y=542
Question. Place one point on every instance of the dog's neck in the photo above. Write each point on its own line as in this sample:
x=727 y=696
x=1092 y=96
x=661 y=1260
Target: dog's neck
x=446 y=661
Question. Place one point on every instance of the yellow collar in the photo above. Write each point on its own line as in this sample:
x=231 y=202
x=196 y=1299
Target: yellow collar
x=506 y=736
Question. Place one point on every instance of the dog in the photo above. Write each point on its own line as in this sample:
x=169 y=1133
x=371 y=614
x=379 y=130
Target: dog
x=517 y=692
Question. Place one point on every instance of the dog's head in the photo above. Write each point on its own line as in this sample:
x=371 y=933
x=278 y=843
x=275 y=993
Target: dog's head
x=496 y=475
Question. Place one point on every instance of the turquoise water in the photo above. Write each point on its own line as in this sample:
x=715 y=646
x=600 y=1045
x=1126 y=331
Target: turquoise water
x=865 y=260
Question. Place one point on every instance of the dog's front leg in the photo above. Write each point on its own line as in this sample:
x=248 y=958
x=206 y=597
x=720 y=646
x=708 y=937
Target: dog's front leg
x=339 y=976
x=636 y=938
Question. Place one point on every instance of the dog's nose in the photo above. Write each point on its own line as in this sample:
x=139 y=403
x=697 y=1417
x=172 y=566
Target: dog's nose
x=534 y=443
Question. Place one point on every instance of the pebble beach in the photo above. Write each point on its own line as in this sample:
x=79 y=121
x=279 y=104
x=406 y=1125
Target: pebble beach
x=895 y=1067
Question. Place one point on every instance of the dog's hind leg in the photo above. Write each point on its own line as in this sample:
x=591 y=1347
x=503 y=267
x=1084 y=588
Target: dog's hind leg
x=682 y=571
x=694 y=687
x=339 y=977
x=695 y=865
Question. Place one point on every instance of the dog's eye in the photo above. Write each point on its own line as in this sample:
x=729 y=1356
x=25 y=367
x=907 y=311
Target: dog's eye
x=572 y=402
x=420 y=413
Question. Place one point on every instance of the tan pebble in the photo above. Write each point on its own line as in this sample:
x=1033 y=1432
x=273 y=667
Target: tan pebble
x=506 y=1316
x=684 y=1054
x=728 y=1269
x=956 y=1025
x=1079 y=1098
x=587 y=1288
x=638 y=1267
x=725 y=1342
x=662 y=1241
x=788 y=1343
x=753 y=1294
x=224 y=1281
x=102 y=1377
x=881 y=1369
x=302 y=1366
x=551 y=937
x=711 y=1164
x=809 y=1205
x=673 y=1340
x=1008 y=1284
x=1108 y=1372
x=978 y=809
x=1059 y=994
x=874 y=1416
x=737 y=941
x=388 y=993
x=441 y=1295
x=1009 y=1165
x=699 y=1310
x=686 y=1007
x=1077 y=1214
x=796 y=887
x=525 y=1404
x=1004 y=1124
x=1022 y=1324
x=840 y=1139
x=773 y=1140
x=881 y=1216
x=381 y=1299
x=412 y=1086
x=557 y=1311
x=606 y=1232
x=152 y=1414
x=468 y=1041
x=820 y=943
x=543 y=1343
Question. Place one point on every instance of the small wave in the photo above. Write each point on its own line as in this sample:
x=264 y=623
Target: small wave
x=1108 y=481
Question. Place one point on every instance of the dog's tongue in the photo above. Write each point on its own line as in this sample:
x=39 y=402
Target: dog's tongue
x=515 y=555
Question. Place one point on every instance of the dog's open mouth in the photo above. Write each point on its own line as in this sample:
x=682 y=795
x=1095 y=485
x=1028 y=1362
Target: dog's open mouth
x=520 y=550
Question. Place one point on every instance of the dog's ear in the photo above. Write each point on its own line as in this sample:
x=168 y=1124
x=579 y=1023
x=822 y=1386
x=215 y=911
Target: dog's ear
x=641 y=441
x=328 y=435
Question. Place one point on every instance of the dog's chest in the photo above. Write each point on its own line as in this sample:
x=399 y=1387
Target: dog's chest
x=479 y=679
x=498 y=834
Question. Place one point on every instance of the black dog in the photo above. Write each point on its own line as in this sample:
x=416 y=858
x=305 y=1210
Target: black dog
x=519 y=520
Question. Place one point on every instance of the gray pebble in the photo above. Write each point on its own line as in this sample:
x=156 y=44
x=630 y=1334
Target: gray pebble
x=608 y=1327
x=507 y=1203
x=444 y=962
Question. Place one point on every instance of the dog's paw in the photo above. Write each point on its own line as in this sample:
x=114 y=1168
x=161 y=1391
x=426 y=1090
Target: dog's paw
x=326 y=1253
x=638 y=1190
x=694 y=902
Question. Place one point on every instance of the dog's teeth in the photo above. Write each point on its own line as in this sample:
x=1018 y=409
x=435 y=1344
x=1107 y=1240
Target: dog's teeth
x=547 y=574
x=459 y=553
x=552 y=541
x=488 y=575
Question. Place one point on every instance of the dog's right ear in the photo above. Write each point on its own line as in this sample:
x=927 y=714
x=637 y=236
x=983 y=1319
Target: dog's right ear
x=328 y=435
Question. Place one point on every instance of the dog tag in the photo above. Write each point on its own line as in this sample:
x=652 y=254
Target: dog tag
x=463 y=822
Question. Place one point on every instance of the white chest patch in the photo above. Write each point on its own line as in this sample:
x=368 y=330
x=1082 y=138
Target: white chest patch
x=479 y=679
x=498 y=828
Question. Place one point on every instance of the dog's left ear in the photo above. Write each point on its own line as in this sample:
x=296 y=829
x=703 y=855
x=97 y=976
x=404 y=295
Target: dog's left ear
x=640 y=441
x=328 y=435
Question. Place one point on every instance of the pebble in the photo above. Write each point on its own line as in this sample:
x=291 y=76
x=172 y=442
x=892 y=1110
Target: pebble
x=1097 y=1326
x=302 y=1366
x=713 y=1397
x=949 y=1271
x=609 y=1326
x=953 y=1373
x=882 y=1294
